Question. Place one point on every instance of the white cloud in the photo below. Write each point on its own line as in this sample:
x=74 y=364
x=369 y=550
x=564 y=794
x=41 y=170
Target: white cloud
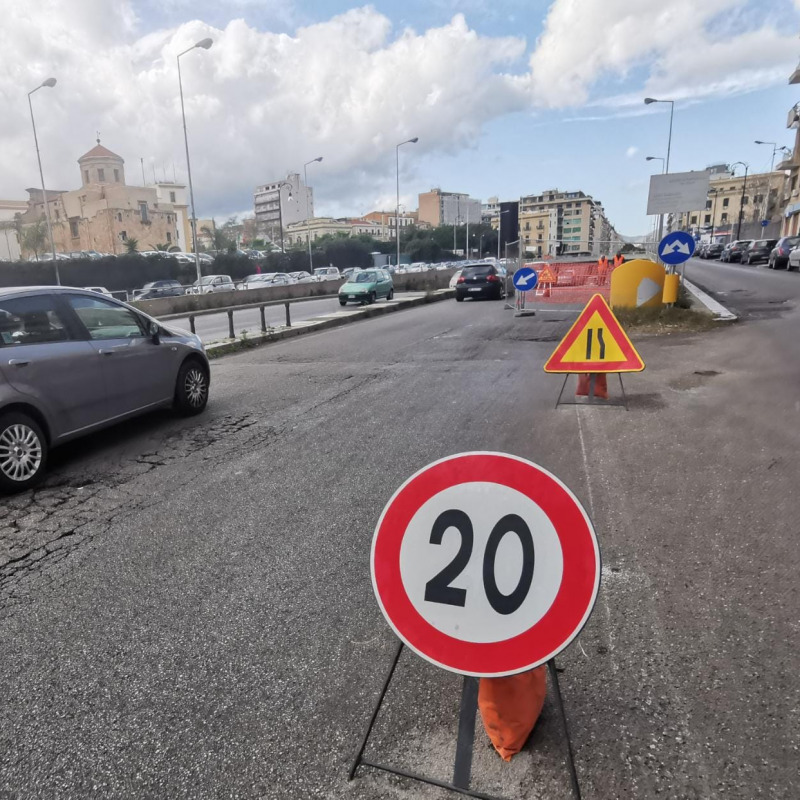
x=689 y=49
x=631 y=151
x=349 y=88
x=258 y=104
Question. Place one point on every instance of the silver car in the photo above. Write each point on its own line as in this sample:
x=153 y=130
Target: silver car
x=73 y=361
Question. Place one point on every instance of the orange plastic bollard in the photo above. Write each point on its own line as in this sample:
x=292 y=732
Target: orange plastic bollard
x=600 y=386
x=510 y=707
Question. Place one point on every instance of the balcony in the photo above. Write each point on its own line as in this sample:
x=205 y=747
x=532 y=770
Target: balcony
x=793 y=120
x=795 y=76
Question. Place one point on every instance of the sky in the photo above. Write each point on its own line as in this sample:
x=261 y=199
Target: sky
x=507 y=97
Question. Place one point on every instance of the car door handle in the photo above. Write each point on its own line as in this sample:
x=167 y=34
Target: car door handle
x=105 y=352
x=18 y=362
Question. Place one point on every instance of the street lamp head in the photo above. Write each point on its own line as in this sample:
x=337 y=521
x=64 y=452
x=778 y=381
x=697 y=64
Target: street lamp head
x=318 y=159
x=758 y=141
x=414 y=140
x=205 y=43
x=649 y=100
x=652 y=158
x=50 y=83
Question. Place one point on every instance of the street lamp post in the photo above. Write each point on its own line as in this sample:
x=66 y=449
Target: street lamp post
x=397 y=205
x=775 y=149
x=308 y=223
x=715 y=192
x=49 y=83
x=204 y=44
x=741 y=199
x=649 y=101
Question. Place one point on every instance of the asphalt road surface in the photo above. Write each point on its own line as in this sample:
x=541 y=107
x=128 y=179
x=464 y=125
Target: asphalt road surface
x=213 y=327
x=186 y=608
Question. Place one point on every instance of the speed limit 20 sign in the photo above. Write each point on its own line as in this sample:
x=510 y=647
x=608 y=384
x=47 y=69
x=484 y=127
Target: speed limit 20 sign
x=485 y=564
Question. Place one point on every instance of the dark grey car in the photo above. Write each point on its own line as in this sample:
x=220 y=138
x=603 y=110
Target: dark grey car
x=72 y=362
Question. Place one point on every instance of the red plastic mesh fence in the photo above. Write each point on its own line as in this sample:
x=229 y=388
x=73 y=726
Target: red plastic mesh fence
x=572 y=282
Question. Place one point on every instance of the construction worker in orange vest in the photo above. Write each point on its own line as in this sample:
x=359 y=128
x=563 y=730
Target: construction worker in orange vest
x=602 y=269
x=619 y=259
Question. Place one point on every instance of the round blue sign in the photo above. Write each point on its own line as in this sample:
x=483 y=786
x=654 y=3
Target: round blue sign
x=525 y=278
x=676 y=247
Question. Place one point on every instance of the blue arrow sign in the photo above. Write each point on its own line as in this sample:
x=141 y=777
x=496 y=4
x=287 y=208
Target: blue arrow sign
x=676 y=247
x=525 y=278
x=764 y=223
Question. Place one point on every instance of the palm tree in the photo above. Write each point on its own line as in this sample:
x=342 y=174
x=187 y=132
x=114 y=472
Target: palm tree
x=34 y=237
x=131 y=246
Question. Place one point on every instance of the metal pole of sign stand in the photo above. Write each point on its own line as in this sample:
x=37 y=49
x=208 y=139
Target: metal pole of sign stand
x=462 y=768
x=591 y=399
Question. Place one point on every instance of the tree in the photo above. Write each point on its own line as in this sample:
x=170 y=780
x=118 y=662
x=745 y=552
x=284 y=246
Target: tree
x=34 y=237
x=161 y=247
x=131 y=246
x=220 y=236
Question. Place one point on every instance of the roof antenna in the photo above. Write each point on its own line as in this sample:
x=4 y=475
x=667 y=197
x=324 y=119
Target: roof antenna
x=98 y=137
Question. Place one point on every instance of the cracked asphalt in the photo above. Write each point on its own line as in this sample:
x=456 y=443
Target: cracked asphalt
x=186 y=609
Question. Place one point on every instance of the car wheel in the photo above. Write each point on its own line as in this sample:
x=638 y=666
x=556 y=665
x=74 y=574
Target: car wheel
x=23 y=452
x=191 y=388
x=343 y=302
x=390 y=296
x=459 y=298
x=372 y=298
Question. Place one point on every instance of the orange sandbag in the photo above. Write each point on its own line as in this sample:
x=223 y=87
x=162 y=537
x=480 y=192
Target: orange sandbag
x=510 y=707
x=600 y=386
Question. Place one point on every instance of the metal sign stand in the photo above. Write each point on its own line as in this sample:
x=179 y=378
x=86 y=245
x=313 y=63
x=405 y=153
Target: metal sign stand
x=591 y=400
x=462 y=768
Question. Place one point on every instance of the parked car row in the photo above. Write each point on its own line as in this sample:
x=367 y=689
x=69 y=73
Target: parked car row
x=783 y=253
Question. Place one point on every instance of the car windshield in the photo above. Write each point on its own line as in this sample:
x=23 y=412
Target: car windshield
x=148 y=286
x=251 y=278
x=365 y=277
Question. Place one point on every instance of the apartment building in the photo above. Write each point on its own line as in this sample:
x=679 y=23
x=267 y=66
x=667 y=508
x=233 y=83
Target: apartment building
x=105 y=212
x=177 y=195
x=437 y=208
x=791 y=164
x=565 y=223
x=387 y=222
x=282 y=202
x=762 y=197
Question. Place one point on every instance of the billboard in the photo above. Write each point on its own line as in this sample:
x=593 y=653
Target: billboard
x=678 y=191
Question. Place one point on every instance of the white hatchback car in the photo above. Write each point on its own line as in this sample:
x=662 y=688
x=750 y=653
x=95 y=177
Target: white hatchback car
x=212 y=283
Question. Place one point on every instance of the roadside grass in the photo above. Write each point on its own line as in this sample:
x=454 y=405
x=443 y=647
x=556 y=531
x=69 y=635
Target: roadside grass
x=665 y=320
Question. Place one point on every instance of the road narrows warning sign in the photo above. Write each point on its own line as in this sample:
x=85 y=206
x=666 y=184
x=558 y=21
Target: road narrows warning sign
x=596 y=342
x=485 y=564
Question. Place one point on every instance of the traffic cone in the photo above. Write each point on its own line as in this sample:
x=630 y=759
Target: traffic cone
x=600 y=386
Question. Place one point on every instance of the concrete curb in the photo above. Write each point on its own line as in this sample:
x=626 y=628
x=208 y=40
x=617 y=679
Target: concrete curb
x=721 y=314
x=313 y=326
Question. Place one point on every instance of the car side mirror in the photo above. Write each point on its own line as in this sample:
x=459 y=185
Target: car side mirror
x=154 y=330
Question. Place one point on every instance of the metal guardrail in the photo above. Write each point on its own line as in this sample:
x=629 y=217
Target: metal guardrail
x=230 y=310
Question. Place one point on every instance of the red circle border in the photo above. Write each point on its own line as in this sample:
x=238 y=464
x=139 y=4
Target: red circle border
x=570 y=608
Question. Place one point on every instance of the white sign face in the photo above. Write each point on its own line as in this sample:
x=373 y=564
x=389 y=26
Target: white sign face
x=477 y=507
x=678 y=191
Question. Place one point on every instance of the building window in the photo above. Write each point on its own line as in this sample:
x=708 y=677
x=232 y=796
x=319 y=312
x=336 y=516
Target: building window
x=759 y=198
x=708 y=204
x=116 y=176
x=123 y=235
x=86 y=176
x=172 y=197
x=725 y=202
x=745 y=200
x=169 y=237
x=143 y=212
x=73 y=228
x=707 y=219
x=119 y=217
x=724 y=218
x=694 y=219
x=101 y=175
x=56 y=212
